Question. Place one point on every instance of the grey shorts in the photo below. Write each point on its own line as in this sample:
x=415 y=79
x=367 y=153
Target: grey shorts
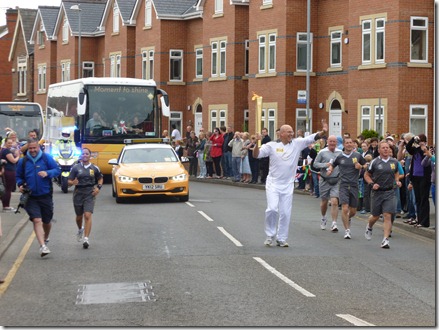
x=83 y=201
x=382 y=202
x=348 y=194
x=327 y=190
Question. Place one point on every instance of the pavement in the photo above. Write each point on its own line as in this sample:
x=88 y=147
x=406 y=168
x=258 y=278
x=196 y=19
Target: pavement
x=12 y=223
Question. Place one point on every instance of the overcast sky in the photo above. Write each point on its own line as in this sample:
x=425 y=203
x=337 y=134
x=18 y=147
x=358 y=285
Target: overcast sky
x=5 y=4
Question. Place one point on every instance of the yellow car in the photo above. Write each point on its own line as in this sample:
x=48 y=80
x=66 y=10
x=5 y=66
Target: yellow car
x=149 y=169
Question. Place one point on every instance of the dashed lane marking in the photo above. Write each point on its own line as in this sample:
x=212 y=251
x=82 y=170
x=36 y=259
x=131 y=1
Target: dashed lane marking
x=284 y=278
x=205 y=216
x=190 y=204
x=230 y=237
x=355 y=320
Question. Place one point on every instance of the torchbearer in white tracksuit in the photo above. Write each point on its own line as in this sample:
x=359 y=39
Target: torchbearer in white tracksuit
x=279 y=186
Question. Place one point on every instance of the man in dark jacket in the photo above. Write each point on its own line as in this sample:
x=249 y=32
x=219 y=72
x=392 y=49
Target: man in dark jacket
x=265 y=161
x=37 y=170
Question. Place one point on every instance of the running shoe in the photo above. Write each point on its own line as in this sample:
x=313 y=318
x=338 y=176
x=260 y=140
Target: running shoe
x=368 y=233
x=347 y=234
x=323 y=224
x=86 y=243
x=44 y=251
x=268 y=241
x=80 y=235
x=385 y=243
x=282 y=243
x=334 y=228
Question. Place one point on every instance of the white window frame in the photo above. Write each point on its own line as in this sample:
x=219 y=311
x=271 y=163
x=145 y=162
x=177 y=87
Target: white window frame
x=247 y=57
x=199 y=62
x=222 y=58
x=271 y=58
x=213 y=122
x=116 y=27
x=366 y=31
x=40 y=36
x=222 y=117
x=301 y=116
x=336 y=37
x=300 y=43
x=377 y=118
x=365 y=117
x=267 y=2
x=118 y=66
x=148 y=13
x=65 y=31
x=22 y=75
x=262 y=53
x=424 y=29
x=65 y=71
x=418 y=117
x=148 y=64
x=174 y=58
x=88 y=69
x=380 y=30
x=219 y=6
x=176 y=117
x=112 y=65
x=41 y=78
x=214 y=59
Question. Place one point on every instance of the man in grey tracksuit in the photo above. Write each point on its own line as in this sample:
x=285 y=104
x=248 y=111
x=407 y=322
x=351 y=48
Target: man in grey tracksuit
x=328 y=184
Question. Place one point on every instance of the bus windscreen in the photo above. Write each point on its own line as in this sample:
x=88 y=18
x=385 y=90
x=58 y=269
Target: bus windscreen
x=21 y=118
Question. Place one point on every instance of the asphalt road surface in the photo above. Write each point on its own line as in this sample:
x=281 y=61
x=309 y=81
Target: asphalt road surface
x=160 y=262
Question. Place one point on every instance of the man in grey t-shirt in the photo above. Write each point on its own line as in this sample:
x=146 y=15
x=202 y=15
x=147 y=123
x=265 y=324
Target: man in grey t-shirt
x=349 y=163
x=328 y=184
x=381 y=176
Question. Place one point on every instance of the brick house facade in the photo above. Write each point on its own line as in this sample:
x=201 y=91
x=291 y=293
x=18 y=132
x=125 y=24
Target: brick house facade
x=6 y=36
x=372 y=62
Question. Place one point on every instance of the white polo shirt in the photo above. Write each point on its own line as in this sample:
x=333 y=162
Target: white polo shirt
x=283 y=160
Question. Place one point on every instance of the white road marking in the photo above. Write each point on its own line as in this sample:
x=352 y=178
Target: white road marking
x=230 y=237
x=205 y=216
x=355 y=320
x=284 y=278
x=190 y=204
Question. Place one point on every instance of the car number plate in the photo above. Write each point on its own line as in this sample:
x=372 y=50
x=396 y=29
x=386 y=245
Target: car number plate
x=153 y=187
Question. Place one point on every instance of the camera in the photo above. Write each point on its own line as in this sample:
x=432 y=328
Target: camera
x=417 y=139
x=24 y=197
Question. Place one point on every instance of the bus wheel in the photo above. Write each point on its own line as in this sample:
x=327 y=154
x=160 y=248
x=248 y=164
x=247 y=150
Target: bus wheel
x=64 y=185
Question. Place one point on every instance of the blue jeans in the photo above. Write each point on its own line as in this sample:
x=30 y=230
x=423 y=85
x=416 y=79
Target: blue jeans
x=236 y=165
x=433 y=193
x=398 y=200
x=226 y=164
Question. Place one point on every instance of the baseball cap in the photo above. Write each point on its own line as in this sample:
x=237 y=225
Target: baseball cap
x=390 y=138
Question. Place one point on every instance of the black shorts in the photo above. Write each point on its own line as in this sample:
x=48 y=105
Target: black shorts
x=40 y=207
x=348 y=194
x=382 y=202
x=83 y=201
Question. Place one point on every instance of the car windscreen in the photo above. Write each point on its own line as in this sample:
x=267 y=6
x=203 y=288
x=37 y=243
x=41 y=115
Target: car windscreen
x=148 y=155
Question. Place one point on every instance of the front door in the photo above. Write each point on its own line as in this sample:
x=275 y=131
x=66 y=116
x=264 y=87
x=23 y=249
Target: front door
x=335 y=122
x=198 y=122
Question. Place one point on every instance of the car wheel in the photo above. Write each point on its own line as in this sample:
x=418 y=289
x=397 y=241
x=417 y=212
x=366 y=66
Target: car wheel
x=113 y=190
x=119 y=200
x=184 y=198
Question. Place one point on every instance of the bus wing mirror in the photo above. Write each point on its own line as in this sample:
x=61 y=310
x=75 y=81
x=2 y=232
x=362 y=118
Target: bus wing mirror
x=164 y=102
x=82 y=102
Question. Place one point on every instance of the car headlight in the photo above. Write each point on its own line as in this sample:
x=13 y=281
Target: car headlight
x=123 y=178
x=179 y=177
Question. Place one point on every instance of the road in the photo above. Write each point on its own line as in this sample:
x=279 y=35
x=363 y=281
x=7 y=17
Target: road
x=160 y=262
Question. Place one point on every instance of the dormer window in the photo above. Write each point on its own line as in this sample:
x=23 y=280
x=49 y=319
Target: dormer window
x=115 y=19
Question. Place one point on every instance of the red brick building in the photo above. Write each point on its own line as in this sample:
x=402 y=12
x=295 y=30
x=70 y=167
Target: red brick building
x=372 y=63
x=6 y=37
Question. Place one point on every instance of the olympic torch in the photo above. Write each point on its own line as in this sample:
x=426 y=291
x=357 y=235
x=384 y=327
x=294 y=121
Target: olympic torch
x=258 y=114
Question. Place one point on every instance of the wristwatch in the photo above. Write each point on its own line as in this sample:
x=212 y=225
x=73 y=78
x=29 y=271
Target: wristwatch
x=99 y=186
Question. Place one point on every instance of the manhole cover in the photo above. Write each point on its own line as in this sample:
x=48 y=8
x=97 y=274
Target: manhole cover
x=115 y=293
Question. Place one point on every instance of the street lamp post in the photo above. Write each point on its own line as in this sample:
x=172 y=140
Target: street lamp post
x=308 y=60
x=78 y=9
